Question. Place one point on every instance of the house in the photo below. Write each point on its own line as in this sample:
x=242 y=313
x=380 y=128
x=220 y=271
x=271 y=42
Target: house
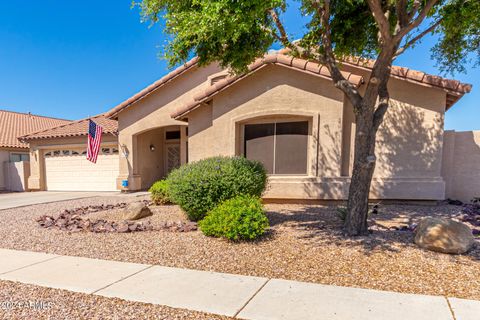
x=14 y=155
x=286 y=113
x=59 y=158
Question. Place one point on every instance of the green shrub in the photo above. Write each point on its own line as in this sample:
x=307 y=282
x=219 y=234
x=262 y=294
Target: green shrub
x=159 y=193
x=239 y=218
x=200 y=186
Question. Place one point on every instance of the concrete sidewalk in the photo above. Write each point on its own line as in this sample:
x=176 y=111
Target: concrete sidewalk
x=238 y=296
x=22 y=199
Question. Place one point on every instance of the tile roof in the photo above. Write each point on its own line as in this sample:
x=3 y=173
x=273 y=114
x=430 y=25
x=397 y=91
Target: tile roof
x=74 y=129
x=15 y=124
x=454 y=88
x=279 y=59
x=154 y=86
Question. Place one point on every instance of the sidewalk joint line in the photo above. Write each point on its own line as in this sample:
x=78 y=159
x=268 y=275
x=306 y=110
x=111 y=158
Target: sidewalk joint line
x=450 y=307
x=126 y=277
x=32 y=264
x=251 y=298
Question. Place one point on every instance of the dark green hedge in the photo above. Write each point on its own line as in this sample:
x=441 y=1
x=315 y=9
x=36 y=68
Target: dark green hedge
x=200 y=186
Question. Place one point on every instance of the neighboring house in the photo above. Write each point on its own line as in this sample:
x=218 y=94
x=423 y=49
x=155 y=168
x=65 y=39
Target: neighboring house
x=59 y=161
x=287 y=114
x=14 y=155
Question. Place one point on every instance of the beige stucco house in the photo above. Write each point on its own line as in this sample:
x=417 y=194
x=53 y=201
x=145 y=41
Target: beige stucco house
x=14 y=154
x=286 y=113
x=58 y=158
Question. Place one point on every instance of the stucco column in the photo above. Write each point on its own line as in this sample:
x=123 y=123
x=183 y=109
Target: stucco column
x=128 y=166
x=36 y=180
x=183 y=145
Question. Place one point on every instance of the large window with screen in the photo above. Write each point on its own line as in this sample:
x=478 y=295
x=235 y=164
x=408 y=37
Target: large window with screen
x=280 y=146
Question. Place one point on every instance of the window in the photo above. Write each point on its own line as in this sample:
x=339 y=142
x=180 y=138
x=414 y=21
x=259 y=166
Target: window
x=114 y=151
x=66 y=152
x=280 y=146
x=48 y=154
x=105 y=150
x=56 y=153
x=74 y=153
x=17 y=157
x=172 y=135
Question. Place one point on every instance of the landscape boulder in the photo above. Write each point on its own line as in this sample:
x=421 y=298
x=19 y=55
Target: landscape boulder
x=444 y=235
x=136 y=211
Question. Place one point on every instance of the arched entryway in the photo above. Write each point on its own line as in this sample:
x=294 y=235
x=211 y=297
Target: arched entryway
x=157 y=152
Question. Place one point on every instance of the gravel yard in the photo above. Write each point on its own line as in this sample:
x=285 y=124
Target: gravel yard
x=62 y=304
x=304 y=244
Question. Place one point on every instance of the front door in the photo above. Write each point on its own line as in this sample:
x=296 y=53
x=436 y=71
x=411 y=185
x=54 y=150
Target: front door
x=172 y=156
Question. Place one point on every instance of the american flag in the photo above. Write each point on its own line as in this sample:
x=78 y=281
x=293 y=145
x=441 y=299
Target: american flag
x=94 y=140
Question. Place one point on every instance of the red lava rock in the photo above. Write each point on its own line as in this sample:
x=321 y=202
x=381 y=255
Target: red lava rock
x=122 y=228
x=73 y=221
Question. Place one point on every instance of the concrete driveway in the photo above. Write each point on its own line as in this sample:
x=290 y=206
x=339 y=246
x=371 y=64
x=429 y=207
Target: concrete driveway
x=21 y=199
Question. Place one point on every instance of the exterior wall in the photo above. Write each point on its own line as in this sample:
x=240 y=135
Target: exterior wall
x=16 y=175
x=409 y=143
x=153 y=112
x=151 y=164
x=461 y=164
x=279 y=92
x=38 y=148
x=4 y=160
x=409 y=147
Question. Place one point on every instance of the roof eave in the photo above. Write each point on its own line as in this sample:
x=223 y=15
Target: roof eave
x=113 y=113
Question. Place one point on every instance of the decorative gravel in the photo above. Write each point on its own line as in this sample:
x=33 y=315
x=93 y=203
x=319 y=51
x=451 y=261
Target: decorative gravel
x=305 y=244
x=22 y=301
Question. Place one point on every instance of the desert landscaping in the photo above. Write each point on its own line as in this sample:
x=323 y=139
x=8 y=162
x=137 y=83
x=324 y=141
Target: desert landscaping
x=304 y=243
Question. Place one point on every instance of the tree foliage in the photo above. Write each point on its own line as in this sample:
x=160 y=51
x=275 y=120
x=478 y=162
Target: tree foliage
x=459 y=33
x=236 y=32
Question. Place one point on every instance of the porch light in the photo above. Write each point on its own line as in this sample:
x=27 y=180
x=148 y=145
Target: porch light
x=152 y=147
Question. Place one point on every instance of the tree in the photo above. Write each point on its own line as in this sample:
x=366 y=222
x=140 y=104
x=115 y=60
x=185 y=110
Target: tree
x=235 y=33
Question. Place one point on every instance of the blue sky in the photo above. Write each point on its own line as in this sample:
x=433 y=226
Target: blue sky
x=72 y=59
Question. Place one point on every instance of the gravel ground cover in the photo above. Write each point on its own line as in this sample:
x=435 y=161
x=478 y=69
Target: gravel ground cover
x=305 y=244
x=22 y=301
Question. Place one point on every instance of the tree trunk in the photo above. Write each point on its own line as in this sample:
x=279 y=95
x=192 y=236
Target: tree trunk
x=363 y=167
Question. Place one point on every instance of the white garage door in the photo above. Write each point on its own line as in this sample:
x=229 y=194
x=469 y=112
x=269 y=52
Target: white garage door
x=69 y=170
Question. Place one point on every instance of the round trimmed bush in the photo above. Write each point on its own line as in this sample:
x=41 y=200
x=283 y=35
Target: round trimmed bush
x=239 y=218
x=159 y=193
x=200 y=186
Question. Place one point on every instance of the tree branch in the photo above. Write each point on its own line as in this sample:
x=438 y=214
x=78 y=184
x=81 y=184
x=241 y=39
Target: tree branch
x=401 y=9
x=413 y=12
x=382 y=108
x=414 y=24
x=418 y=37
x=329 y=58
x=282 y=37
x=381 y=19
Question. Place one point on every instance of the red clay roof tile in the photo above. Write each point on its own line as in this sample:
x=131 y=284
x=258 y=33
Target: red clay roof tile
x=277 y=59
x=453 y=87
x=16 y=124
x=74 y=129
